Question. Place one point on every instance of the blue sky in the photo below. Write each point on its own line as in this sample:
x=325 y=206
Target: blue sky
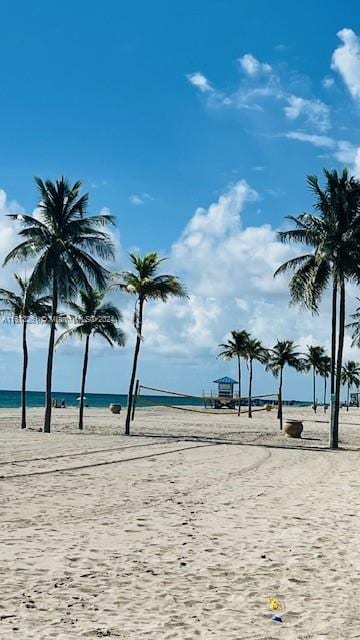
x=164 y=108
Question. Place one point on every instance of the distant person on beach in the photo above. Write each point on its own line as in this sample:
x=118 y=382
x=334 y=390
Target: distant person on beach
x=63 y=405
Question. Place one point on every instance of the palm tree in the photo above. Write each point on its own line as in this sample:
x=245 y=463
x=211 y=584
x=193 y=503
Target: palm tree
x=146 y=284
x=65 y=242
x=235 y=348
x=254 y=350
x=350 y=376
x=324 y=372
x=332 y=235
x=313 y=359
x=283 y=353
x=93 y=318
x=24 y=305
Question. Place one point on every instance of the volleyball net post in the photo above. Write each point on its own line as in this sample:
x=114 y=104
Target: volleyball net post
x=135 y=396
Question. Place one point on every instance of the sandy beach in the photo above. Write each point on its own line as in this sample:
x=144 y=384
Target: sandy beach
x=180 y=532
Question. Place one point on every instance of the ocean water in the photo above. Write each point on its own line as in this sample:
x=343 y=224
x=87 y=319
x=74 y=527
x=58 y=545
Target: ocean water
x=12 y=399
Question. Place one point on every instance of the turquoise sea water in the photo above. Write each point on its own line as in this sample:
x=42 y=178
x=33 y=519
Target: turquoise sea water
x=12 y=399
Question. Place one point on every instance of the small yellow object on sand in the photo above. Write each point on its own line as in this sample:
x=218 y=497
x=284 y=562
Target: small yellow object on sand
x=274 y=604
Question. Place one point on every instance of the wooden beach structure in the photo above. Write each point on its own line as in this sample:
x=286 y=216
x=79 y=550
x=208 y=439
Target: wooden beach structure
x=225 y=393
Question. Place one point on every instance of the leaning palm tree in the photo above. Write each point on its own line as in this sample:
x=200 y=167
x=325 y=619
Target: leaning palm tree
x=350 y=376
x=324 y=372
x=23 y=306
x=146 y=284
x=283 y=353
x=92 y=317
x=66 y=243
x=332 y=237
x=235 y=348
x=313 y=360
x=254 y=350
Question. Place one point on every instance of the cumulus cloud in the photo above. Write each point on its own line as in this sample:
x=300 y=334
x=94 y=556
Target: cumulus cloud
x=199 y=81
x=253 y=67
x=314 y=112
x=346 y=60
x=228 y=270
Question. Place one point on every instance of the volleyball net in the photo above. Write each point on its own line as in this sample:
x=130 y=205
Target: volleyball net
x=146 y=396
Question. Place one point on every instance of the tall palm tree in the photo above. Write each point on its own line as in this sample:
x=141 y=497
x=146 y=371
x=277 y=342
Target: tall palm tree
x=254 y=350
x=283 y=353
x=324 y=372
x=146 y=284
x=65 y=243
x=313 y=360
x=332 y=236
x=235 y=348
x=24 y=305
x=350 y=376
x=92 y=318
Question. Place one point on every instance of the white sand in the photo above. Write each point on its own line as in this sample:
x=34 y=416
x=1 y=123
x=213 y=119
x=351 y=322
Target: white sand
x=178 y=537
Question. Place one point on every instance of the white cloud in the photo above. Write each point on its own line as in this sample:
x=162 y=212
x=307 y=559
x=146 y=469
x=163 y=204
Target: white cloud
x=199 y=81
x=261 y=85
x=139 y=199
x=228 y=270
x=315 y=112
x=343 y=150
x=346 y=60
x=253 y=67
x=316 y=140
x=356 y=166
x=8 y=237
x=328 y=82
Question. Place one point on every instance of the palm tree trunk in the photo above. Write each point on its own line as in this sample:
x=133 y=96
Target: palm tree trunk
x=334 y=436
x=23 y=384
x=83 y=380
x=133 y=373
x=333 y=338
x=348 y=398
x=250 y=385
x=280 y=412
x=50 y=360
x=314 y=390
x=239 y=374
x=325 y=379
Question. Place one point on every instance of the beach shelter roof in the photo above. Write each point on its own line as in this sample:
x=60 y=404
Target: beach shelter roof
x=226 y=380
